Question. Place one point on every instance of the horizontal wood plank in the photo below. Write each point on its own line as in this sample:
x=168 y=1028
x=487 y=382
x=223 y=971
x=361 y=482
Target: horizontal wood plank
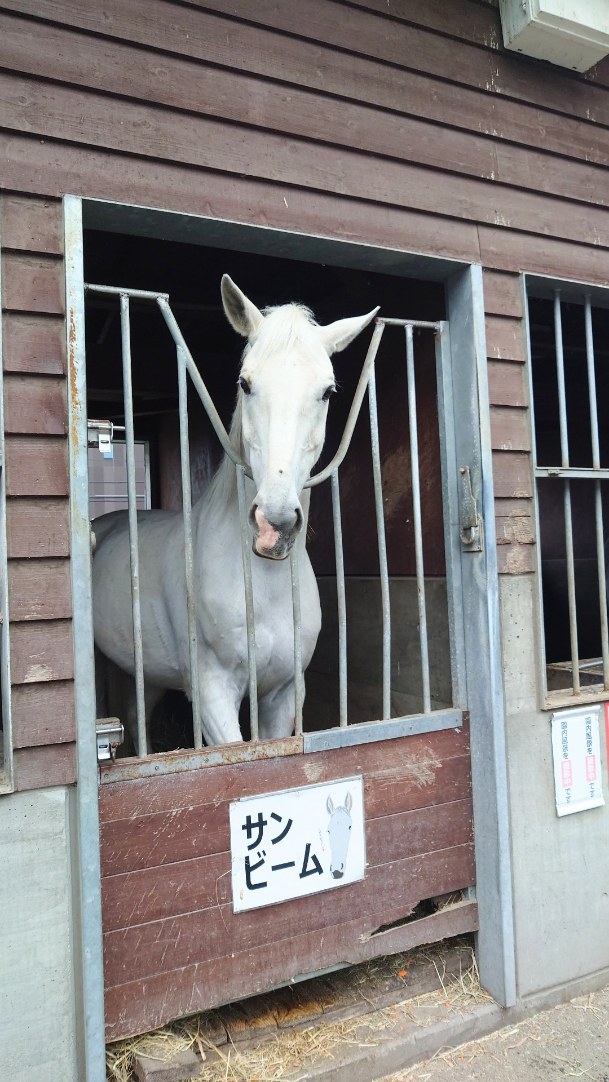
x=36 y=466
x=64 y=113
x=505 y=338
x=167 y=837
x=39 y=589
x=31 y=224
x=39 y=768
x=506 y=384
x=41 y=652
x=410 y=761
x=35 y=405
x=38 y=527
x=516 y=559
x=43 y=166
x=202 y=882
x=138 y=1006
x=34 y=344
x=32 y=283
x=502 y=294
x=43 y=714
x=512 y=474
x=389 y=892
x=510 y=428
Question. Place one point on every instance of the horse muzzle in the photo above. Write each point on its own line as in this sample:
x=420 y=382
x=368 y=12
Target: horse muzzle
x=273 y=540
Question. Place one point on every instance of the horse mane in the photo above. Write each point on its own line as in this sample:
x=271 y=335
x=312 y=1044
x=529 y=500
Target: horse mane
x=284 y=324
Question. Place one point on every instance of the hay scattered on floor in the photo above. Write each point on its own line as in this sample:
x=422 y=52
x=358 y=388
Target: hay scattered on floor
x=288 y=1054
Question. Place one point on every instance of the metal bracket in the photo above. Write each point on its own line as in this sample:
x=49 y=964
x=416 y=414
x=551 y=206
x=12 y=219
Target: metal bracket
x=110 y=733
x=470 y=522
x=101 y=433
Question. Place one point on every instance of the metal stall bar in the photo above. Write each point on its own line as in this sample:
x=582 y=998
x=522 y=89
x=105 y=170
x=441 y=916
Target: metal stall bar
x=418 y=531
x=564 y=454
x=598 y=504
x=341 y=601
x=382 y=547
x=188 y=554
x=142 y=748
x=298 y=673
x=249 y=602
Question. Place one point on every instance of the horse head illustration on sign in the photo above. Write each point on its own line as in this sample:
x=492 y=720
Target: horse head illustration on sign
x=339 y=832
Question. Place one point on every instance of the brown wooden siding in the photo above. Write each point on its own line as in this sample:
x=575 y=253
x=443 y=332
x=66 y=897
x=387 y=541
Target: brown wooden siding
x=166 y=876
x=35 y=403
x=385 y=123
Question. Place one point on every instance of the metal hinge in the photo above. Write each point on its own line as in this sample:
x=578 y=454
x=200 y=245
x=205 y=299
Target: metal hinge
x=110 y=734
x=470 y=522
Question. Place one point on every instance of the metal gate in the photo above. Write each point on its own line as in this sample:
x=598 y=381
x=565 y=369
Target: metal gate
x=173 y=943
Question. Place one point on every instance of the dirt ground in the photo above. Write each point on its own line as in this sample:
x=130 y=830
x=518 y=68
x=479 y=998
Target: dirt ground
x=569 y=1041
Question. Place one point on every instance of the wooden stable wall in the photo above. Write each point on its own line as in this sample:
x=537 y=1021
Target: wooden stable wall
x=173 y=945
x=40 y=606
x=378 y=121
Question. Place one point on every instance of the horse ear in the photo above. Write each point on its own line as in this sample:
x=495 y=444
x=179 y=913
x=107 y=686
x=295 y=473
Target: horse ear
x=338 y=335
x=330 y=805
x=348 y=802
x=240 y=311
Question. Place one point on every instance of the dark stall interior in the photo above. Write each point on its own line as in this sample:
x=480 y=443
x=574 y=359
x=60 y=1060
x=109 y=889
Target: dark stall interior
x=580 y=455
x=191 y=274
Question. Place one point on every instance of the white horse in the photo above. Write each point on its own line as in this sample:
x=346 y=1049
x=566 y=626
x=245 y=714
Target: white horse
x=278 y=428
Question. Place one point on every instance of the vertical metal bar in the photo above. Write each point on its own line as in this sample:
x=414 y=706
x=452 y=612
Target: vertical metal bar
x=382 y=547
x=249 y=602
x=418 y=528
x=341 y=600
x=86 y=878
x=188 y=553
x=132 y=512
x=298 y=674
x=571 y=587
x=598 y=504
x=6 y=761
x=560 y=377
x=564 y=456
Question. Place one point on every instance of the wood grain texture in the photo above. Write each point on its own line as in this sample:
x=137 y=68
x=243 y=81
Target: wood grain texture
x=43 y=714
x=41 y=651
x=36 y=466
x=506 y=384
x=39 y=589
x=42 y=767
x=502 y=294
x=155 y=893
x=512 y=474
x=34 y=343
x=510 y=428
x=505 y=338
x=38 y=527
x=31 y=224
x=35 y=405
x=32 y=283
x=140 y=1005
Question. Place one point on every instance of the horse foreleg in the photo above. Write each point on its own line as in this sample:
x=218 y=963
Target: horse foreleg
x=276 y=713
x=219 y=699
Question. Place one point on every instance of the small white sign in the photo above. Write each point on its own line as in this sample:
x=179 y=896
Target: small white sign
x=577 y=759
x=296 y=842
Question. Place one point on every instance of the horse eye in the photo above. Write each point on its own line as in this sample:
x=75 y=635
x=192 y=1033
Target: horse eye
x=328 y=391
x=244 y=385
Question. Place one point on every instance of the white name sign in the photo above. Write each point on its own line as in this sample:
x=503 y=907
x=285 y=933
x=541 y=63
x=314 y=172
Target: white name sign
x=297 y=842
x=577 y=759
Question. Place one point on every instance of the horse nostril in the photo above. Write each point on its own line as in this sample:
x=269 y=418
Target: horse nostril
x=298 y=523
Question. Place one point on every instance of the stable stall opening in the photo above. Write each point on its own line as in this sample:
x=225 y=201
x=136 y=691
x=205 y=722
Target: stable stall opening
x=191 y=275
x=569 y=332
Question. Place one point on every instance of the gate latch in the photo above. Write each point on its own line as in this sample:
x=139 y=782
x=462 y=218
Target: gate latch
x=110 y=733
x=470 y=522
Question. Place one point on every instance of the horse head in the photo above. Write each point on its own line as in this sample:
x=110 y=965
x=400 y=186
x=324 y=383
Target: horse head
x=285 y=383
x=339 y=829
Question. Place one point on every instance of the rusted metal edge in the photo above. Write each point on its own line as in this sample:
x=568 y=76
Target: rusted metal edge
x=173 y=762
